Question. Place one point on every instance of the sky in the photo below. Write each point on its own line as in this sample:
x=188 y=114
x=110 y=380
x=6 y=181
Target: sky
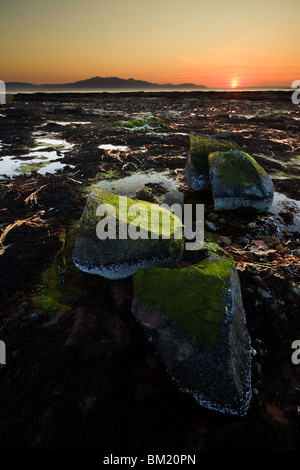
x=215 y=43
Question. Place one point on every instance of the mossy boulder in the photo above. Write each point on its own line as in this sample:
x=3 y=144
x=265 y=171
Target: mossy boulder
x=117 y=256
x=197 y=167
x=196 y=320
x=239 y=182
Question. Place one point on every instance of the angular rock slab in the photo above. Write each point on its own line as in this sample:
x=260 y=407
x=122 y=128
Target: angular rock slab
x=196 y=320
x=239 y=182
x=196 y=168
x=119 y=258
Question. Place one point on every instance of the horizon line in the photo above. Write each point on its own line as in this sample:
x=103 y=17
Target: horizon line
x=147 y=81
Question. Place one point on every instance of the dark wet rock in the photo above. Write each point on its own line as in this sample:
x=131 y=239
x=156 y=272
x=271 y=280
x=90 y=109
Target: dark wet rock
x=11 y=324
x=197 y=167
x=243 y=241
x=129 y=167
x=117 y=257
x=145 y=194
x=287 y=216
x=53 y=127
x=257 y=280
x=210 y=227
x=196 y=320
x=97 y=331
x=33 y=316
x=264 y=293
x=157 y=188
x=239 y=182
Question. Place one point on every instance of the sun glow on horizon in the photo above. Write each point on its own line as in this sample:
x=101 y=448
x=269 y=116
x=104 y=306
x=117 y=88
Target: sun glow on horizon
x=244 y=50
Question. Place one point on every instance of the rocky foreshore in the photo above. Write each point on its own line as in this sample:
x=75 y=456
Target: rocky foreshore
x=77 y=352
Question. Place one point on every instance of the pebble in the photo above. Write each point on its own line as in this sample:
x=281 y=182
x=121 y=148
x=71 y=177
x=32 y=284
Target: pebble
x=242 y=241
x=33 y=316
x=11 y=324
x=225 y=240
x=257 y=368
x=296 y=252
x=257 y=280
x=210 y=227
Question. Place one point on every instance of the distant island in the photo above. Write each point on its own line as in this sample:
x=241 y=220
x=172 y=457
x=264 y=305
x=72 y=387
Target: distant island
x=100 y=83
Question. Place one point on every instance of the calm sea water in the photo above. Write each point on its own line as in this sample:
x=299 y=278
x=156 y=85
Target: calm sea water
x=158 y=90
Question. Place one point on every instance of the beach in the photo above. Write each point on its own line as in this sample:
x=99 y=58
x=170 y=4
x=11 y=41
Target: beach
x=80 y=373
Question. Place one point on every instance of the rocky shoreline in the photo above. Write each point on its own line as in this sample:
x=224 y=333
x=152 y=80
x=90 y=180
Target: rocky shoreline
x=80 y=372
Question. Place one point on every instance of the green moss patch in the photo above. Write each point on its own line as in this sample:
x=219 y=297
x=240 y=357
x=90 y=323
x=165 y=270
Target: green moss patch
x=146 y=122
x=191 y=297
x=54 y=293
x=106 y=175
x=202 y=145
x=99 y=196
x=28 y=167
x=236 y=168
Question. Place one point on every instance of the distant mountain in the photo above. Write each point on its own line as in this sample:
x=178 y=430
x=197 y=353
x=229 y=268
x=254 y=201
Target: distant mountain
x=101 y=84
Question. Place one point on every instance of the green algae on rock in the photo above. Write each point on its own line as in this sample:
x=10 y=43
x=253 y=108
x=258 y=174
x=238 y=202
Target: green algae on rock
x=119 y=255
x=137 y=124
x=202 y=321
x=197 y=167
x=238 y=182
x=196 y=320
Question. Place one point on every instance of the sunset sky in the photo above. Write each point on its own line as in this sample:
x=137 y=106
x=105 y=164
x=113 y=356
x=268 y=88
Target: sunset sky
x=214 y=43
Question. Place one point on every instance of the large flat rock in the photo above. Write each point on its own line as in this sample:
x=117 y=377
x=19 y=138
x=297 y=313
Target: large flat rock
x=116 y=258
x=196 y=320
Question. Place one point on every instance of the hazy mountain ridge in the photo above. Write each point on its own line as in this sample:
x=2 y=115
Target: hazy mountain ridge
x=101 y=83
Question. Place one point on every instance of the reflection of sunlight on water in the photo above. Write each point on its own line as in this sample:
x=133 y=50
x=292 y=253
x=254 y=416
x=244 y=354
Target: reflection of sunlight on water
x=51 y=168
x=42 y=161
x=283 y=203
x=121 y=148
x=45 y=162
x=66 y=123
x=129 y=185
x=52 y=142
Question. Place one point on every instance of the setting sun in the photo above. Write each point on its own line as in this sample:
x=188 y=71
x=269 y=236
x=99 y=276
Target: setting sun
x=234 y=83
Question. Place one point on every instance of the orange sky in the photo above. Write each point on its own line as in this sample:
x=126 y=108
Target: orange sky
x=214 y=43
